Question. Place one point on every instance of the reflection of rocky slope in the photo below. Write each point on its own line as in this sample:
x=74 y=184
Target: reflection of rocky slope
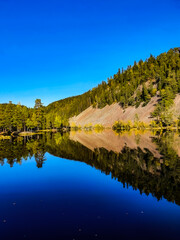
x=131 y=166
x=176 y=143
x=112 y=142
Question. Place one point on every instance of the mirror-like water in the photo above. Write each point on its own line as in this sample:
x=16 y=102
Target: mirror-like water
x=89 y=185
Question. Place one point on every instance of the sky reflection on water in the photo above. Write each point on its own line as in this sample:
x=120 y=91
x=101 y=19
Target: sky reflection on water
x=66 y=199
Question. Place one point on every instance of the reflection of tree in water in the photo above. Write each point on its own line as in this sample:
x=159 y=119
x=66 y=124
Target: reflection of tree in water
x=13 y=151
x=37 y=149
x=138 y=167
x=39 y=158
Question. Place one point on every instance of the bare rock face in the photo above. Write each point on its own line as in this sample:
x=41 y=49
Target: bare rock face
x=109 y=114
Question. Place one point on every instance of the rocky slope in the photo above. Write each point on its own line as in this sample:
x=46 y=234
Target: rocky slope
x=109 y=114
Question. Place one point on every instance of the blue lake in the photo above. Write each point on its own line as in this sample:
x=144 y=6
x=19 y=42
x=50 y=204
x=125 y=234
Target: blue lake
x=91 y=194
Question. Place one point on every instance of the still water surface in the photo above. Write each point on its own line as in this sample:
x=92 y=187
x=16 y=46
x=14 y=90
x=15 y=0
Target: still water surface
x=90 y=186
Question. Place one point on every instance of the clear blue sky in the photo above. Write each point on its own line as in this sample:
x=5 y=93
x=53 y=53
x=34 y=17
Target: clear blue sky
x=52 y=49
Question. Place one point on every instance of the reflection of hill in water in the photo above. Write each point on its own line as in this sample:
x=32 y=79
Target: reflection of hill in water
x=112 y=142
x=145 y=162
x=148 y=163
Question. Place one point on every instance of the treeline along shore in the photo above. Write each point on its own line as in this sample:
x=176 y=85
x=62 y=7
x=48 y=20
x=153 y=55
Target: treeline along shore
x=145 y=95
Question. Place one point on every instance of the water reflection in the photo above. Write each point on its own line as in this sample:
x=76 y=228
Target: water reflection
x=148 y=162
x=21 y=148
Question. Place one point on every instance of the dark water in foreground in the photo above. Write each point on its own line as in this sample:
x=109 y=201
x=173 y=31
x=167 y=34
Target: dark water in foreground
x=90 y=186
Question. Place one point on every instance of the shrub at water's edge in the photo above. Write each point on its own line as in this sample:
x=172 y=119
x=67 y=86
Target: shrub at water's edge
x=121 y=125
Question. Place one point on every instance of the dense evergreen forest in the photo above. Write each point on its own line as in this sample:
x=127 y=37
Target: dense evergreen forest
x=20 y=118
x=133 y=167
x=138 y=83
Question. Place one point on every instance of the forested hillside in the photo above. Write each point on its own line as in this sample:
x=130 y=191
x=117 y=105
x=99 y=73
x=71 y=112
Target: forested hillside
x=139 y=83
x=156 y=76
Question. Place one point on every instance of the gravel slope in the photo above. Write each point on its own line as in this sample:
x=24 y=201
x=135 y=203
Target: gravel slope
x=109 y=114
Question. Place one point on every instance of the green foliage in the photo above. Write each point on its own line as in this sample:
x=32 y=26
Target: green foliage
x=121 y=125
x=98 y=127
x=13 y=117
x=20 y=118
x=57 y=121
